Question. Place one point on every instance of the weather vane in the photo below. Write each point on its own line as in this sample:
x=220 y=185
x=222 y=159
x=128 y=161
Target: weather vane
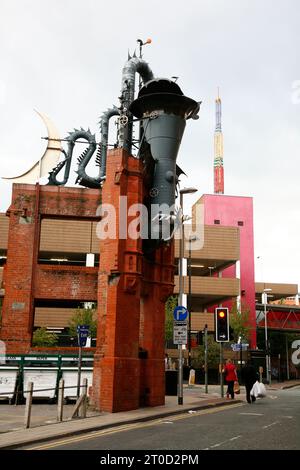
x=142 y=43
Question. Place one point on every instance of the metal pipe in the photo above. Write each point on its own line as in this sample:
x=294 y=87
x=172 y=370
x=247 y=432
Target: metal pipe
x=104 y=127
x=133 y=65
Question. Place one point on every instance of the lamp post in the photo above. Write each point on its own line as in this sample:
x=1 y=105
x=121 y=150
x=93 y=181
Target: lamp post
x=268 y=362
x=180 y=297
x=189 y=303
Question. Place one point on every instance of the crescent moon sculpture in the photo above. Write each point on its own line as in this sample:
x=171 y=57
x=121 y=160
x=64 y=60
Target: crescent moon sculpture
x=49 y=159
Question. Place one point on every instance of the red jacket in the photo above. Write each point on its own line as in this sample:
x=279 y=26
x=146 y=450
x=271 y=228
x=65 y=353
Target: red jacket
x=230 y=372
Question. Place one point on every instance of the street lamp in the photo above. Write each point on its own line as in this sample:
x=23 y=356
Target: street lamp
x=268 y=359
x=180 y=297
x=189 y=303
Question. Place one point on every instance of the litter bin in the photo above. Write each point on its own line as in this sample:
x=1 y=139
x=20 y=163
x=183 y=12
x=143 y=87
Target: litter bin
x=171 y=382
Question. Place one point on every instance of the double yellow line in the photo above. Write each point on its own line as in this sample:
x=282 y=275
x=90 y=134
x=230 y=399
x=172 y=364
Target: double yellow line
x=129 y=427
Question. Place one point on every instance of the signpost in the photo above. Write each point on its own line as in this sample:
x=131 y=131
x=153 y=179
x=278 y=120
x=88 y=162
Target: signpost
x=82 y=335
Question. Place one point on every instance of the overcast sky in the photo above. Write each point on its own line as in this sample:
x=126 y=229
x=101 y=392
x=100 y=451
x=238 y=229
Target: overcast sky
x=65 y=58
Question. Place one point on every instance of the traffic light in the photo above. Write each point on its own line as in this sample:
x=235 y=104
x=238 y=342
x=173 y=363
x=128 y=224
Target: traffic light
x=222 y=324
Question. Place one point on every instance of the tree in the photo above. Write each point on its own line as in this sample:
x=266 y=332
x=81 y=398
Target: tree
x=239 y=322
x=171 y=303
x=84 y=316
x=43 y=337
x=213 y=354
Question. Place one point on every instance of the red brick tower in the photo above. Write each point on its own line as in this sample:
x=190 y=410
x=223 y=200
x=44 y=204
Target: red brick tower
x=131 y=296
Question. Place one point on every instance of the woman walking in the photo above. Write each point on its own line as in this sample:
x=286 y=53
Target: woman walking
x=230 y=377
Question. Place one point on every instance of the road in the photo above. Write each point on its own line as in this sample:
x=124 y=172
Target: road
x=272 y=423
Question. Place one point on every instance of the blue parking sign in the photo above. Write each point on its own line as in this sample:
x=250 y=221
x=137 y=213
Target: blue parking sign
x=83 y=332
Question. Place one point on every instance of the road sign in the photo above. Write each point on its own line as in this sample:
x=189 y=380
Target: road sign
x=239 y=346
x=180 y=314
x=83 y=332
x=180 y=334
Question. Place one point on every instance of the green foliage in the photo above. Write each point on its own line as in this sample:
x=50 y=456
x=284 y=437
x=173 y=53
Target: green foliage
x=84 y=316
x=43 y=337
x=239 y=322
x=213 y=354
x=171 y=303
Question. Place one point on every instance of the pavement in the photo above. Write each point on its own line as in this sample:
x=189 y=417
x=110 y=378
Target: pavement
x=45 y=428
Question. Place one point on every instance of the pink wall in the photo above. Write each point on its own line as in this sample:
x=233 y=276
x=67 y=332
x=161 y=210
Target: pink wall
x=229 y=210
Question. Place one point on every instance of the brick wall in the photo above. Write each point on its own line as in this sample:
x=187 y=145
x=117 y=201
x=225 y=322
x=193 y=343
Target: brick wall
x=24 y=279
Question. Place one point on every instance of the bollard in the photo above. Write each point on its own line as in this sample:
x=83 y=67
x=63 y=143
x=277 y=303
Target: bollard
x=28 y=405
x=192 y=378
x=84 y=402
x=60 y=401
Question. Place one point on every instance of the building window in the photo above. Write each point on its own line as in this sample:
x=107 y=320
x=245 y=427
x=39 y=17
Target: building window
x=240 y=223
x=217 y=221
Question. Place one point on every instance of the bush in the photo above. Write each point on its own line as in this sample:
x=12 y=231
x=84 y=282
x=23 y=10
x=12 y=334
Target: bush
x=43 y=337
x=83 y=316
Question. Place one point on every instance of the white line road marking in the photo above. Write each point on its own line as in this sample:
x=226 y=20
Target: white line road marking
x=224 y=442
x=269 y=425
x=251 y=414
x=234 y=438
x=218 y=445
x=288 y=417
x=91 y=435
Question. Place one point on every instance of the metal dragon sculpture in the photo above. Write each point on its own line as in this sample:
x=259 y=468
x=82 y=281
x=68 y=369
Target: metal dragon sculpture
x=161 y=110
x=124 y=137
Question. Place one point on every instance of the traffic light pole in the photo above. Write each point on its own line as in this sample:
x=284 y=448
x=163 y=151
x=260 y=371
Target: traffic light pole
x=205 y=359
x=221 y=369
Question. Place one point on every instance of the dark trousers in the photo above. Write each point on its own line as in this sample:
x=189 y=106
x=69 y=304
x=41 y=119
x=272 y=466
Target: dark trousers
x=230 y=390
x=250 y=399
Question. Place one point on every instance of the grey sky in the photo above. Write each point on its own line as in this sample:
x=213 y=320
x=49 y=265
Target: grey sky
x=65 y=57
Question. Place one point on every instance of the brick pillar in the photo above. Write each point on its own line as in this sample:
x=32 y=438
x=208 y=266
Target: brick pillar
x=17 y=312
x=116 y=362
x=158 y=285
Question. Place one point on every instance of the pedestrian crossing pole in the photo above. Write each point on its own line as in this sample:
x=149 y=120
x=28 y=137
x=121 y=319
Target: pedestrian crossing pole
x=221 y=369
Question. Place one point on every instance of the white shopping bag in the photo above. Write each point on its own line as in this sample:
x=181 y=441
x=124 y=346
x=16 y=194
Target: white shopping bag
x=255 y=389
x=262 y=390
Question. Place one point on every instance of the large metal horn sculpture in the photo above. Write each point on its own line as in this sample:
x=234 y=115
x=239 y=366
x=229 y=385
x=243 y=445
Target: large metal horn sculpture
x=164 y=111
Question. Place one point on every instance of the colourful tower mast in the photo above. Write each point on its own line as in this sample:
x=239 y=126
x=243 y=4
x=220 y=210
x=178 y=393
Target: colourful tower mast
x=218 y=160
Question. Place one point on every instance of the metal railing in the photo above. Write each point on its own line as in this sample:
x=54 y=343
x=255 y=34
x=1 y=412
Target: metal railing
x=80 y=408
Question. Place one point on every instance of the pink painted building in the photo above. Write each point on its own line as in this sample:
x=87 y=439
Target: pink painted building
x=236 y=211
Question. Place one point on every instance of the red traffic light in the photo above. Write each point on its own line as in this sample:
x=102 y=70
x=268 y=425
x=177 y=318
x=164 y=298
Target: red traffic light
x=222 y=324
